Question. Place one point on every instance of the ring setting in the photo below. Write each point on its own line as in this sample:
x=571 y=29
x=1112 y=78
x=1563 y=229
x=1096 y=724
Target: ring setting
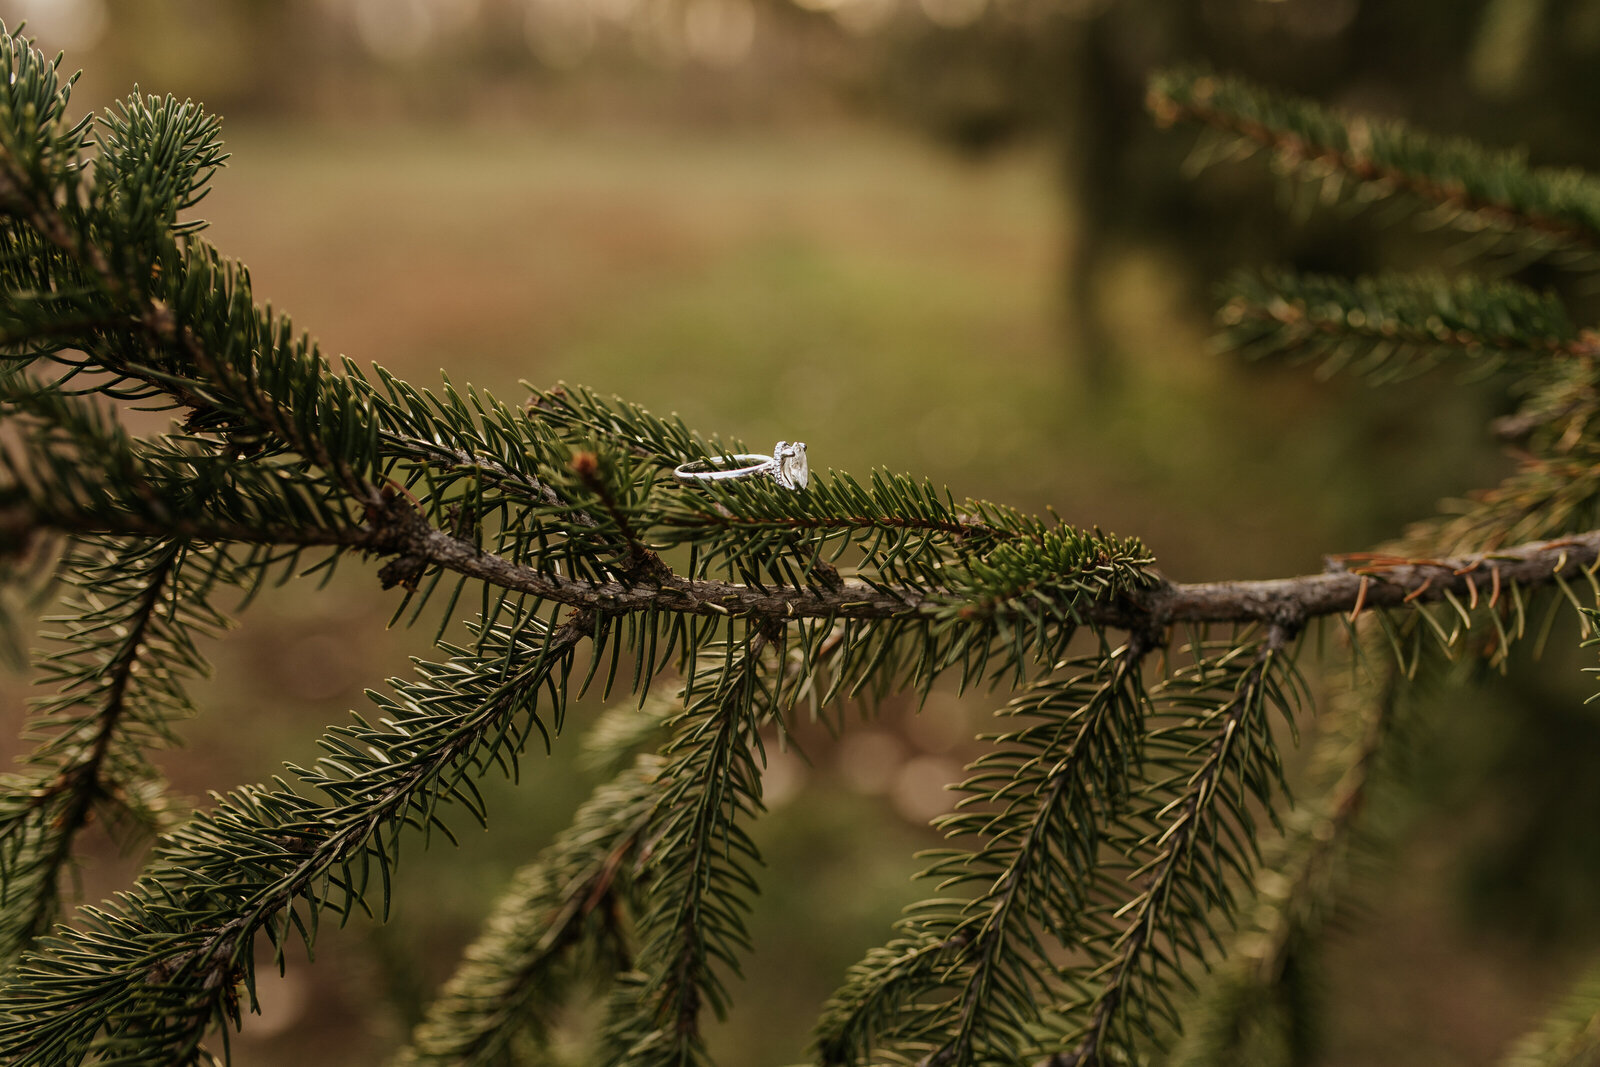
x=787 y=466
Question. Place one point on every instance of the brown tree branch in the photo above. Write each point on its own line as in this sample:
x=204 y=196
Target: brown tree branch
x=1351 y=584
x=1357 y=582
x=1376 y=582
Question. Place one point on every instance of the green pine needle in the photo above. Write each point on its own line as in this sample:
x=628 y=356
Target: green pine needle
x=1391 y=327
x=1548 y=212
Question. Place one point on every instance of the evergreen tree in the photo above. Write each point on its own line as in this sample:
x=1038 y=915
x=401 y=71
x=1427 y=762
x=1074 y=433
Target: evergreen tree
x=1127 y=829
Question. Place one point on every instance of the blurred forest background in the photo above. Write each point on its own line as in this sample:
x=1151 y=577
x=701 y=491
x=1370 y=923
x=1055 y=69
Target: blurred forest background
x=938 y=236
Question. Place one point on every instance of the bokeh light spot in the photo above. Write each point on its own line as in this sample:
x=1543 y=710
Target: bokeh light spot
x=920 y=790
x=561 y=33
x=953 y=14
x=719 y=32
x=70 y=24
x=868 y=760
x=394 y=29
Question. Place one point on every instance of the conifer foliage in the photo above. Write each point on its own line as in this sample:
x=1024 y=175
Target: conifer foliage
x=1126 y=830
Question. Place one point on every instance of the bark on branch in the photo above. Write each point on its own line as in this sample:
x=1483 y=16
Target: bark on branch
x=1352 y=584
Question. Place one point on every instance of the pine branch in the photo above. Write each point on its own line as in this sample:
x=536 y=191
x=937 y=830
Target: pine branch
x=562 y=904
x=1296 y=893
x=1356 y=583
x=39 y=148
x=33 y=106
x=1543 y=497
x=93 y=732
x=1085 y=784
x=1181 y=885
x=306 y=428
x=1036 y=802
x=146 y=977
x=1166 y=779
x=407 y=444
x=617 y=495
x=885 y=1001
x=1290 y=600
x=904 y=531
x=157 y=157
x=182 y=305
x=1096 y=580
x=626 y=731
x=73 y=468
x=1394 y=326
x=1569 y=1036
x=692 y=923
x=1366 y=159
x=1353 y=583
x=1359 y=582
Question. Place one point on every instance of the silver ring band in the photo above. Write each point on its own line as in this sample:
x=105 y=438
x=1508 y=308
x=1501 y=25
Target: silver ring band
x=787 y=466
x=707 y=470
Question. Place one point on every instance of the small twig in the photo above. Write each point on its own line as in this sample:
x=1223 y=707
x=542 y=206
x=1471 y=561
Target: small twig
x=643 y=565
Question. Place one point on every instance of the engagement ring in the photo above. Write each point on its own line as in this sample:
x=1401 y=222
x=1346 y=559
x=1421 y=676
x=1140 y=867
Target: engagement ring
x=786 y=465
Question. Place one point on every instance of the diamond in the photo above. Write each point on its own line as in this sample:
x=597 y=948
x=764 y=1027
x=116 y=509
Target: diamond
x=792 y=471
